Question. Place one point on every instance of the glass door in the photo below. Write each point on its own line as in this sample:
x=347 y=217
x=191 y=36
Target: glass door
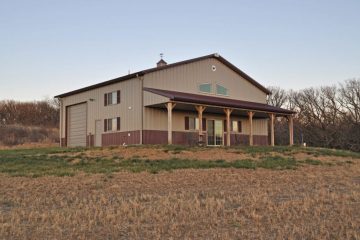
x=218 y=132
x=214 y=132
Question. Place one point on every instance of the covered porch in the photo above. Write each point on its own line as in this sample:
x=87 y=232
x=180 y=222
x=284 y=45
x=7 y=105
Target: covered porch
x=218 y=126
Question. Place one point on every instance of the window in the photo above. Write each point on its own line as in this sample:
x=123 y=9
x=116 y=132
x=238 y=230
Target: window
x=112 y=124
x=205 y=88
x=220 y=90
x=236 y=126
x=112 y=98
x=191 y=123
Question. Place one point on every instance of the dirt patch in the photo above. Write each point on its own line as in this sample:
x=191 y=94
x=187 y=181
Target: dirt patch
x=156 y=153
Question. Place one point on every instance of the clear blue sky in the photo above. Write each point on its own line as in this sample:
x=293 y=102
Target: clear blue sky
x=50 y=47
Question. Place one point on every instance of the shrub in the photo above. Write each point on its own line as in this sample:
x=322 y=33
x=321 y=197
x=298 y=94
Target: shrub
x=11 y=135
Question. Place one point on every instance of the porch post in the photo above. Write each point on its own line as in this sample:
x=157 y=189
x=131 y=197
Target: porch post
x=228 y=112
x=169 y=107
x=291 y=130
x=200 y=110
x=251 y=114
x=272 y=118
x=61 y=124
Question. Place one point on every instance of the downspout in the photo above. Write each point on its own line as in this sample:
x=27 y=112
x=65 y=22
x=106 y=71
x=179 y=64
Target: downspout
x=142 y=110
x=60 y=122
x=142 y=107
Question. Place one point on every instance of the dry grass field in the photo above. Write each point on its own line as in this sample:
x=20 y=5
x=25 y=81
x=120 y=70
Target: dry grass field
x=160 y=192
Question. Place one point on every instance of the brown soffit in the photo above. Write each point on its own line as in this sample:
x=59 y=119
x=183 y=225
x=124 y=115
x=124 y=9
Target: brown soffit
x=217 y=101
x=141 y=73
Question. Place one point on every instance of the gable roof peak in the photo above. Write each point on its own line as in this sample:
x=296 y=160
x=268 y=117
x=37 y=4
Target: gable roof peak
x=166 y=66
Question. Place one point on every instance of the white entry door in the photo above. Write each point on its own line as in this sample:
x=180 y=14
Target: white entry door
x=98 y=132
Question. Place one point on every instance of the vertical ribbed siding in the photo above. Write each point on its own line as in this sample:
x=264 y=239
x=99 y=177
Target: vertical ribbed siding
x=183 y=78
x=186 y=78
x=129 y=108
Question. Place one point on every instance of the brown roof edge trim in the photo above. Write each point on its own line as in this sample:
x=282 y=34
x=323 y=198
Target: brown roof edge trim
x=243 y=74
x=150 y=70
x=210 y=100
x=102 y=84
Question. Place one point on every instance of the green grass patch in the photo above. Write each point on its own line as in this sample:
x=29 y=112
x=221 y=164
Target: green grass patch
x=330 y=152
x=154 y=166
x=277 y=162
x=311 y=161
x=70 y=161
x=288 y=151
x=265 y=149
x=41 y=162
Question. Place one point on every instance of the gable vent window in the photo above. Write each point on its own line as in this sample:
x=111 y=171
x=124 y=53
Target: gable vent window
x=220 y=90
x=205 y=88
x=112 y=98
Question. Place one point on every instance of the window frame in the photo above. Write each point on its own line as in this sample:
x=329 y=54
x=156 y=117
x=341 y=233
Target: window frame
x=211 y=88
x=114 y=122
x=216 y=90
x=192 y=123
x=239 y=128
x=195 y=123
x=113 y=98
x=234 y=123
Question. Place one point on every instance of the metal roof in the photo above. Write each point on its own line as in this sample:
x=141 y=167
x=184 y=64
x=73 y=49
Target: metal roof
x=217 y=101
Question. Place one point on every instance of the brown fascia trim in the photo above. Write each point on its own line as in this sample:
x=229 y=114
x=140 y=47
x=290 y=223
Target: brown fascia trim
x=244 y=75
x=102 y=84
x=217 y=101
x=150 y=70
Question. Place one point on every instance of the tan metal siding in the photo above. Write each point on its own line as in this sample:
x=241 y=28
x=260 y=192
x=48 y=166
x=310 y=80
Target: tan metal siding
x=259 y=126
x=186 y=78
x=151 y=98
x=77 y=125
x=129 y=108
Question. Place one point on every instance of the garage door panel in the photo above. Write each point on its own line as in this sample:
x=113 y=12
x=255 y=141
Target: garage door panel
x=77 y=125
x=77 y=116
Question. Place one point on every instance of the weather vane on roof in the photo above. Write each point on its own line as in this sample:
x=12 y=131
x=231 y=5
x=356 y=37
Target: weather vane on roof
x=161 y=55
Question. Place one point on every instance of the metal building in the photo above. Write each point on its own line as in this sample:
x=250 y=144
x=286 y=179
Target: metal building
x=205 y=100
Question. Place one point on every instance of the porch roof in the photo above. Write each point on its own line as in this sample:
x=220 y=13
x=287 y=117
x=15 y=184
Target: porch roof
x=217 y=101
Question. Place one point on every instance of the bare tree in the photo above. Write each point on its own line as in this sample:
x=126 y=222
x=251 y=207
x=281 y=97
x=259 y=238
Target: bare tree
x=278 y=96
x=350 y=99
x=326 y=116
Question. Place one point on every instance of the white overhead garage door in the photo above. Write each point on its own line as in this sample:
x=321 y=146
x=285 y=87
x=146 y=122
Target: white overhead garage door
x=77 y=125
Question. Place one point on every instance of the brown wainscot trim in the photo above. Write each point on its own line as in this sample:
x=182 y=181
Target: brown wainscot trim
x=120 y=138
x=260 y=140
x=178 y=137
x=243 y=139
x=63 y=142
